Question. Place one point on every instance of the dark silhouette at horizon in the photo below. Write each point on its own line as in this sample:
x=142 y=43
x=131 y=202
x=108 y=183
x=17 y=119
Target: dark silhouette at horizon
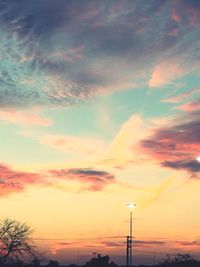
x=16 y=245
x=181 y=260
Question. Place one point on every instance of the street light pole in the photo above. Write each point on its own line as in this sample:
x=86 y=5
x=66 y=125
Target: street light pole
x=130 y=237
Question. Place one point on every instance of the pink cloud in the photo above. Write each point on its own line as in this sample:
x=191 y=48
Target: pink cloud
x=189 y=107
x=181 y=97
x=16 y=181
x=30 y=118
x=164 y=73
x=175 y=16
x=186 y=11
x=92 y=180
x=194 y=245
x=177 y=145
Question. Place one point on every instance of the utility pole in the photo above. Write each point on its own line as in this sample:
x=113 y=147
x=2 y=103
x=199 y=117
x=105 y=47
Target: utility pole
x=128 y=248
x=129 y=240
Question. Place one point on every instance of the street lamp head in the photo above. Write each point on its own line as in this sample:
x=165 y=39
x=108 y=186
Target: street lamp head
x=198 y=158
x=131 y=206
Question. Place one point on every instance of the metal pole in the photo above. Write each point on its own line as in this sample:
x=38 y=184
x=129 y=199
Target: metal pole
x=127 y=251
x=131 y=237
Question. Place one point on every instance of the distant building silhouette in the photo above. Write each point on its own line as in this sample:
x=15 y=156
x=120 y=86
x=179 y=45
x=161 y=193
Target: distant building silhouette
x=100 y=261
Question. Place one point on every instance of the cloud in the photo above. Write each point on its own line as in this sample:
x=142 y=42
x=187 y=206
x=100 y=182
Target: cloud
x=190 y=165
x=91 y=179
x=29 y=118
x=181 y=97
x=59 y=246
x=137 y=243
x=190 y=106
x=16 y=181
x=58 y=54
x=157 y=192
x=123 y=148
x=189 y=10
x=164 y=73
x=84 y=146
x=114 y=243
x=185 y=12
x=149 y=243
x=176 y=145
x=189 y=244
x=175 y=16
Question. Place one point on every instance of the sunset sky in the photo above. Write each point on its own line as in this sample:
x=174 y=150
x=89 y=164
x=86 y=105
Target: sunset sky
x=100 y=106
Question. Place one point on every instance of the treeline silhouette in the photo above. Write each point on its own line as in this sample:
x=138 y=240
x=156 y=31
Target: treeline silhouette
x=181 y=260
x=16 y=245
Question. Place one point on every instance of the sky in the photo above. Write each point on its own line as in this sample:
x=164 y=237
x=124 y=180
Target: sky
x=100 y=107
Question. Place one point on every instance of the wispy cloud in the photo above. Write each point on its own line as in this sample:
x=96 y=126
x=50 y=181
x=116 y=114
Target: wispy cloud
x=25 y=118
x=137 y=243
x=81 y=145
x=188 y=244
x=58 y=54
x=157 y=192
x=16 y=181
x=91 y=179
x=164 y=73
x=123 y=149
x=176 y=145
x=58 y=246
x=190 y=106
x=181 y=97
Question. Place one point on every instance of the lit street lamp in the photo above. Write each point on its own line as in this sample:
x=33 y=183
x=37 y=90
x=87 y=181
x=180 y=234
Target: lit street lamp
x=130 y=237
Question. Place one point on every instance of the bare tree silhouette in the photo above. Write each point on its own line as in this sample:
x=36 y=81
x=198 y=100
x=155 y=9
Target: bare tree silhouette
x=15 y=242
